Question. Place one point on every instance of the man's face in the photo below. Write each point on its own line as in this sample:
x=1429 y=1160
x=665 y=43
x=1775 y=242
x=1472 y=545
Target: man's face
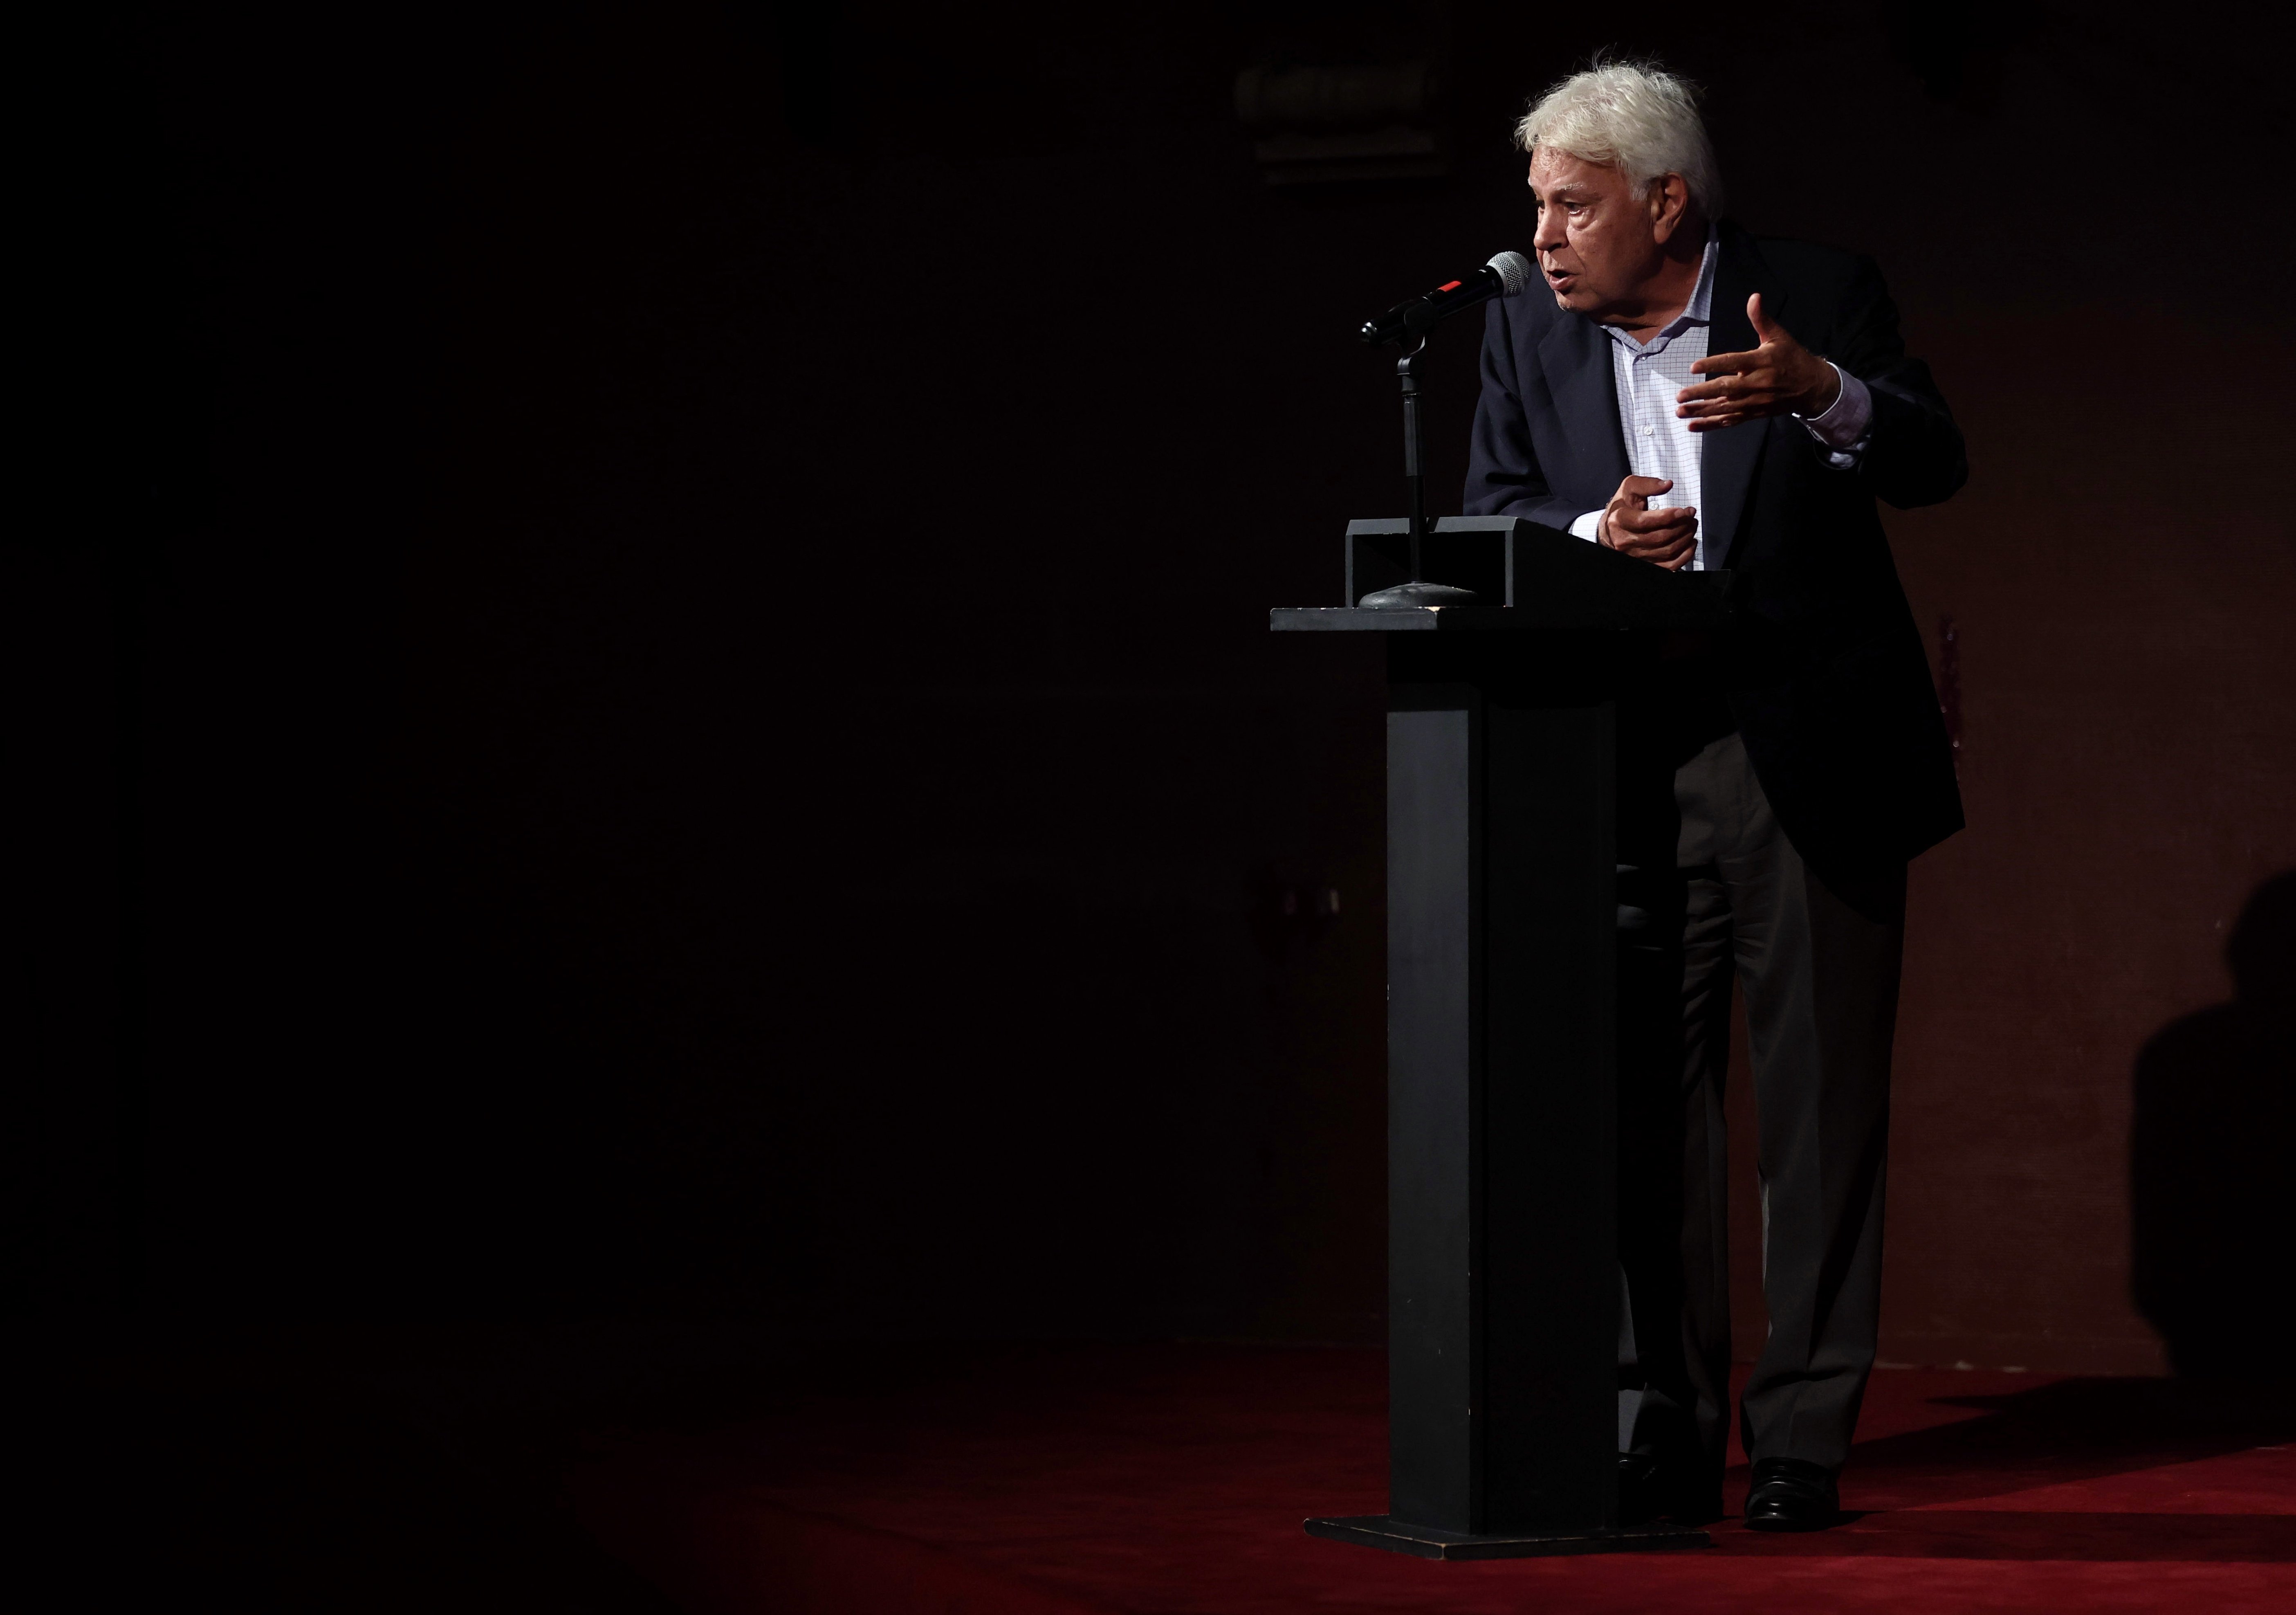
x=1597 y=240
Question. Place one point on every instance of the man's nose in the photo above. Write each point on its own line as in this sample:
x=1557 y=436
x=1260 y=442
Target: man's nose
x=1548 y=235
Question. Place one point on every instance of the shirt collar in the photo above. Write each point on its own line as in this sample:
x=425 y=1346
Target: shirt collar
x=1698 y=311
x=1702 y=300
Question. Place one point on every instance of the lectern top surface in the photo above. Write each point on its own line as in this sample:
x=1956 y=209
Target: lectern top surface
x=1504 y=574
x=1703 y=605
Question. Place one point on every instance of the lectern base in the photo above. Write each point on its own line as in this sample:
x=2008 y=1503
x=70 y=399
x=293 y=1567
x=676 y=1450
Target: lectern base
x=1383 y=1531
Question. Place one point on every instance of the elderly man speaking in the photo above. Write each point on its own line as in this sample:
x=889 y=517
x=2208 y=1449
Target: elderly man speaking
x=1694 y=396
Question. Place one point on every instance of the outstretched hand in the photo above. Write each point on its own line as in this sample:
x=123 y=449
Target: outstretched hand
x=1779 y=377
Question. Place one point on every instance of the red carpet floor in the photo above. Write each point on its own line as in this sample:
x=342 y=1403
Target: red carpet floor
x=1172 y=1480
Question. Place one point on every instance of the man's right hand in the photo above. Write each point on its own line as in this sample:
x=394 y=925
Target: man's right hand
x=1666 y=537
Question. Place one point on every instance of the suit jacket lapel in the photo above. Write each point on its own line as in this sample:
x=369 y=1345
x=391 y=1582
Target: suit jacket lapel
x=1730 y=457
x=1574 y=356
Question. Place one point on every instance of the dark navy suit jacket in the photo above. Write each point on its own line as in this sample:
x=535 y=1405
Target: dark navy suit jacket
x=1826 y=676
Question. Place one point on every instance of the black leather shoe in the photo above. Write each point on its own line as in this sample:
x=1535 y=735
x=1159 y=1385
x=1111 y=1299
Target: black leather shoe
x=1651 y=1490
x=1790 y=1494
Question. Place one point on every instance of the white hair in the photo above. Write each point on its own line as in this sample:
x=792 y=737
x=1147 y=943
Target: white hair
x=1637 y=117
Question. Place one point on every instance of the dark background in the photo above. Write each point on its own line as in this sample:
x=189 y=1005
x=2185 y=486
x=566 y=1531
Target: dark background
x=638 y=679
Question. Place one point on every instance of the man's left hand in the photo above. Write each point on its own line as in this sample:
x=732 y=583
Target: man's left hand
x=1780 y=377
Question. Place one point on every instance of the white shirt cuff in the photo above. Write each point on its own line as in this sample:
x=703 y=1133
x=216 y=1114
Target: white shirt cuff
x=1846 y=422
x=1585 y=525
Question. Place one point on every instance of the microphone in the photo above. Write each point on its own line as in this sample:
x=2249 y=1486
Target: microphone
x=1503 y=276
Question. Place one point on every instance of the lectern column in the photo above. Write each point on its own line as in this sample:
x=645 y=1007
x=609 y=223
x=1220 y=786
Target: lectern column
x=1502 y=1277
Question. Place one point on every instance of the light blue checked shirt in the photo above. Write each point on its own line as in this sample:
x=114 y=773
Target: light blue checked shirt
x=1659 y=444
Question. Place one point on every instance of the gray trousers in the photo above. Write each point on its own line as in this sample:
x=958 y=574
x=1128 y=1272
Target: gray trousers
x=1730 y=900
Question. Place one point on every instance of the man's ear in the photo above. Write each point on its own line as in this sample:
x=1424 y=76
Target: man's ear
x=1669 y=205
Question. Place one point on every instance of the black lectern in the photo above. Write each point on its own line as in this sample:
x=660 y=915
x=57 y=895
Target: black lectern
x=1503 y=1275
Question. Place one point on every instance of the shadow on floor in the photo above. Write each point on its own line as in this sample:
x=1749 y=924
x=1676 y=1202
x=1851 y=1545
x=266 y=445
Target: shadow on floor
x=2086 y=1469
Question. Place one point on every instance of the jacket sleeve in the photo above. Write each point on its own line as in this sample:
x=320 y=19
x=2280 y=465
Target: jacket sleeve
x=1504 y=478
x=1917 y=456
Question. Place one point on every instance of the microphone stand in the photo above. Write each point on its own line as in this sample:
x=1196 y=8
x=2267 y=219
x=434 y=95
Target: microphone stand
x=1414 y=448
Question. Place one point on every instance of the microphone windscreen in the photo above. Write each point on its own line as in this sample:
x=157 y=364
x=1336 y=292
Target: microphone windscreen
x=1513 y=269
